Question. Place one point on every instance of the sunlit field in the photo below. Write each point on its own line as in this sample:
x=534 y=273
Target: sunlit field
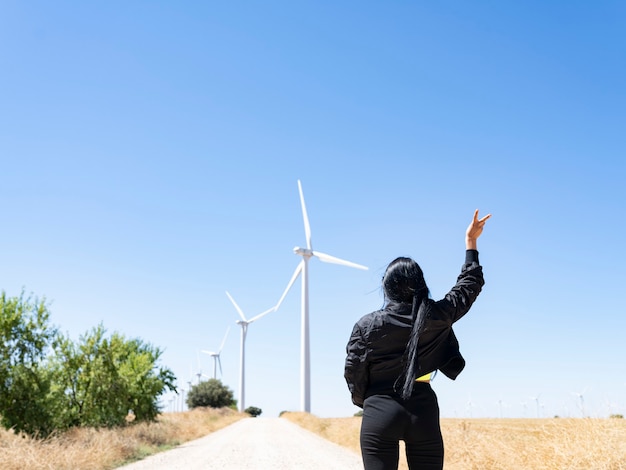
x=91 y=449
x=506 y=444
x=471 y=444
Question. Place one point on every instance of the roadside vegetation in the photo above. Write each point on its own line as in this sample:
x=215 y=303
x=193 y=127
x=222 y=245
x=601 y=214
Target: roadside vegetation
x=91 y=403
x=51 y=383
x=212 y=393
x=505 y=444
x=84 y=448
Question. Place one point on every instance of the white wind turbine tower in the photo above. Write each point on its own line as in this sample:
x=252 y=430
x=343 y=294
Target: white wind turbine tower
x=501 y=405
x=190 y=381
x=536 y=399
x=244 y=330
x=581 y=397
x=470 y=405
x=199 y=374
x=303 y=269
x=216 y=355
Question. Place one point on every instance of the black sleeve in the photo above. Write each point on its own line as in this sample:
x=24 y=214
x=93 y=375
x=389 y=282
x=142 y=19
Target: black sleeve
x=356 y=372
x=471 y=257
x=458 y=301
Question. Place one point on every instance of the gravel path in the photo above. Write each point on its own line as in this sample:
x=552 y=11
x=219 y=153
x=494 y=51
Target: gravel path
x=255 y=443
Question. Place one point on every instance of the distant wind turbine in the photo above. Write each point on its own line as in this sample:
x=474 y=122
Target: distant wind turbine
x=536 y=398
x=190 y=381
x=199 y=374
x=581 y=397
x=470 y=405
x=501 y=404
x=243 y=323
x=216 y=355
x=302 y=269
x=610 y=405
x=182 y=399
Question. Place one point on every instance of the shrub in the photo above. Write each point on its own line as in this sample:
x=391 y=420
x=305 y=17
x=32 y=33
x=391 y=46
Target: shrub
x=210 y=393
x=26 y=338
x=253 y=411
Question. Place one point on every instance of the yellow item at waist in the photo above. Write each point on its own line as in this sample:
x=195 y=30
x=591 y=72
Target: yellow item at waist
x=425 y=378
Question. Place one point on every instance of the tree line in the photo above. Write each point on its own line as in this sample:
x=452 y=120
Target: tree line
x=49 y=382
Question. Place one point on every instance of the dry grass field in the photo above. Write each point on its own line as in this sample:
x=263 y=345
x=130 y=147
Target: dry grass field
x=506 y=444
x=471 y=444
x=91 y=449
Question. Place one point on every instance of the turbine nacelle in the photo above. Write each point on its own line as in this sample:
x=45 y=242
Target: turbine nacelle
x=303 y=251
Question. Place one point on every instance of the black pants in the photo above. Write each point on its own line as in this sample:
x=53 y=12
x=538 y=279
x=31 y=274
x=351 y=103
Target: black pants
x=388 y=420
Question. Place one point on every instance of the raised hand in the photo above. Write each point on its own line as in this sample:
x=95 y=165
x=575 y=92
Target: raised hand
x=474 y=230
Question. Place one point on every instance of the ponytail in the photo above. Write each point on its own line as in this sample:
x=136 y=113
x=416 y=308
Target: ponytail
x=419 y=310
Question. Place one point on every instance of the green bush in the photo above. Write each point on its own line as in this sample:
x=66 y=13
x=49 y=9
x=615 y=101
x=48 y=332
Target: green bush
x=211 y=393
x=48 y=382
x=253 y=411
x=101 y=379
x=26 y=337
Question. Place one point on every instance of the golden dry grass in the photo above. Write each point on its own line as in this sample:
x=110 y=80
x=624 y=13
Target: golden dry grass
x=103 y=449
x=505 y=444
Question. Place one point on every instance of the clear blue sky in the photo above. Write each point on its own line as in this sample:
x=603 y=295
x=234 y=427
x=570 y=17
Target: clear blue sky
x=150 y=153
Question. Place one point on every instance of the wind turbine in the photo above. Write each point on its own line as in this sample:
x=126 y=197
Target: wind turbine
x=199 y=374
x=581 y=397
x=501 y=405
x=303 y=269
x=243 y=323
x=190 y=381
x=536 y=398
x=610 y=405
x=470 y=405
x=216 y=355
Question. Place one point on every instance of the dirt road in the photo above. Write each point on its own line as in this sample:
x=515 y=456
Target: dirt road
x=255 y=443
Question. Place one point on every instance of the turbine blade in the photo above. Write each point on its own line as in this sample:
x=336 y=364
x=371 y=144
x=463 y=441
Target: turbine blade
x=262 y=314
x=219 y=363
x=210 y=353
x=307 y=227
x=331 y=259
x=236 y=306
x=224 y=340
x=293 y=279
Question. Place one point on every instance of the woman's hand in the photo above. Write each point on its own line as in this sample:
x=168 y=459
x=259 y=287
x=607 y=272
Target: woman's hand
x=474 y=230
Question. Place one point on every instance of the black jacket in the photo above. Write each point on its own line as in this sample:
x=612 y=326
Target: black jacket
x=376 y=348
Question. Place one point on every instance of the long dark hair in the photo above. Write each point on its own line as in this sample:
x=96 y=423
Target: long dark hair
x=404 y=283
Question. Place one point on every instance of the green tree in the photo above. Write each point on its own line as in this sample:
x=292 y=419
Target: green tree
x=210 y=393
x=26 y=337
x=99 y=379
x=48 y=382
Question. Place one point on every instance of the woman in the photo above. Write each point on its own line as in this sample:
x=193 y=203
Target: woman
x=393 y=353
